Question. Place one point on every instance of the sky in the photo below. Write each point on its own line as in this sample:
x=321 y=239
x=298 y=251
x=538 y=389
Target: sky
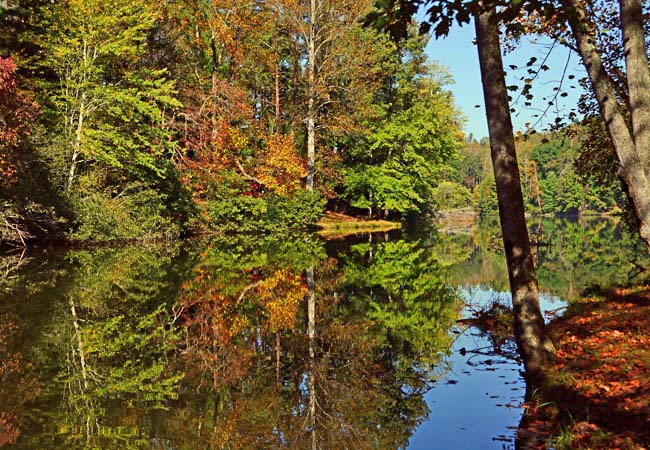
x=458 y=53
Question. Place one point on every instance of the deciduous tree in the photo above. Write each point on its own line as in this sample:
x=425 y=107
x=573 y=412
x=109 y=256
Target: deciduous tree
x=111 y=109
x=17 y=110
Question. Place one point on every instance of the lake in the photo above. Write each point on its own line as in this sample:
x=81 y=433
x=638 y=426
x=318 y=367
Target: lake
x=280 y=341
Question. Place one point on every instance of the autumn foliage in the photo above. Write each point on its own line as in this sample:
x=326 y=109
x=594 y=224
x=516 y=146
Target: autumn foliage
x=16 y=112
x=282 y=170
x=218 y=316
x=598 y=389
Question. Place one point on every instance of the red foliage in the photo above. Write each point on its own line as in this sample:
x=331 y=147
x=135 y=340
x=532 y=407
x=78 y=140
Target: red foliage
x=209 y=137
x=17 y=110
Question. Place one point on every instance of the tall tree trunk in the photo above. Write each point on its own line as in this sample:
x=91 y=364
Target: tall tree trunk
x=311 y=102
x=638 y=76
x=638 y=84
x=631 y=155
x=535 y=347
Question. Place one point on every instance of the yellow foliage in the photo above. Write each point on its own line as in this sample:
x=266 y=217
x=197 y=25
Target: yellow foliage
x=281 y=293
x=238 y=140
x=282 y=170
x=239 y=324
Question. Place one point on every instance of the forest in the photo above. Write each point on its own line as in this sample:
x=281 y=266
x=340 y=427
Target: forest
x=128 y=127
x=138 y=120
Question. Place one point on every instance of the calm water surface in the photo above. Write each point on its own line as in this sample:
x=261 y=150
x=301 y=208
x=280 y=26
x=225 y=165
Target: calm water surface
x=277 y=342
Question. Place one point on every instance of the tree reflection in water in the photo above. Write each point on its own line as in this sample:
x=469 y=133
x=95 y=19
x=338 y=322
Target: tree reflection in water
x=336 y=374
x=265 y=342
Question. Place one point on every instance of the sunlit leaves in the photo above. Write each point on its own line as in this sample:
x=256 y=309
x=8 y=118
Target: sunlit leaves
x=396 y=167
x=281 y=169
x=112 y=110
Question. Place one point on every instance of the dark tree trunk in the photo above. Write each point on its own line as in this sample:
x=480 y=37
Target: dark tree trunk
x=535 y=347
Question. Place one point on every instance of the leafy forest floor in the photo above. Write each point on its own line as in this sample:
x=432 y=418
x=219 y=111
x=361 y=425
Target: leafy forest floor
x=598 y=392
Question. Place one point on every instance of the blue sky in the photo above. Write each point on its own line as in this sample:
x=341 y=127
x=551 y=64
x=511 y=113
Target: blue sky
x=458 y=53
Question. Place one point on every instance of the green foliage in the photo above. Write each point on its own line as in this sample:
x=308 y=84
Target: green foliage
x=238 y=254
x=298 y=212
x=552 y=156
x=137 y=212
x=126 y=135
x=135 y=93
x=552 y=180
x=109 y=107
x=104 y=144
x=470 y=168
x=449 y=195
x=389 y=187
x=395 y=166
x=243 y=213
x=562 y=189
x=234 y=210
x=485 y=196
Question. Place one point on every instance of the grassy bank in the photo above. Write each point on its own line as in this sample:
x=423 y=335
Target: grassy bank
x=598 y=392
x=333 y=225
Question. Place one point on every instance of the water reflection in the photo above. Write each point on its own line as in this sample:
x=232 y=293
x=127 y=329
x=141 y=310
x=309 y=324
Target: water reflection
x=273 y=342
x=571 y=255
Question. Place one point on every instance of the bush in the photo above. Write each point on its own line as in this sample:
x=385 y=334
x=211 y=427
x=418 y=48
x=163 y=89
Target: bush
x=245 y=213
x=238 y=213
x=133 y=214
x=300 y=211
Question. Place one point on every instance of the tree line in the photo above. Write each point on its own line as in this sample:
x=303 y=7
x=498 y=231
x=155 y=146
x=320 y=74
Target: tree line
x=134 y=119
x=554 y=174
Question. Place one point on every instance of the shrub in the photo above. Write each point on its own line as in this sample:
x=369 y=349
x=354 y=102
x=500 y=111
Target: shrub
x=238 y=213
x=300 y=211
x=245 y=213
x=138 y=212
